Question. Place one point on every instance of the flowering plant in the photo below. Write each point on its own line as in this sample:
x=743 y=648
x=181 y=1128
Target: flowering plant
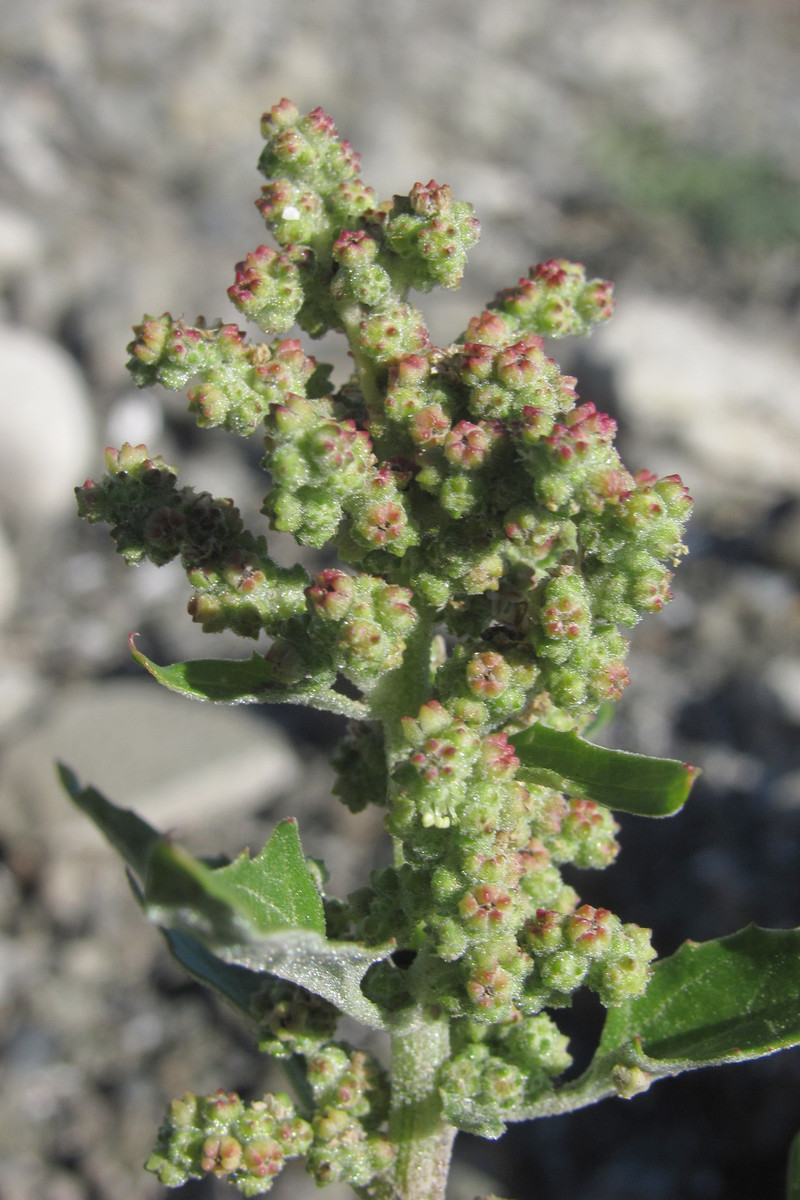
x=490 y=543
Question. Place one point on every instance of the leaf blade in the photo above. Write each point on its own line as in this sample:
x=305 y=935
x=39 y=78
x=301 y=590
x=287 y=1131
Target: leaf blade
x=228 y=925
x=726 y=1000
x=236 y=984
x=262 y=894
x=625 y=782
x=241 y=681
x=220 y=681
x=333 y=970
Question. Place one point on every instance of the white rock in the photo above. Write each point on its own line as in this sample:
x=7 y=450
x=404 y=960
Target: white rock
x=176 y=762
x=47 y=441
x=136 y=417
x=783 y=677
x=726 y=400
x=20 y=242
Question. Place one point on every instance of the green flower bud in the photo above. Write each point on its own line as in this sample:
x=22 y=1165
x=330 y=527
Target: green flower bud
x=219 y=1135
x=360 y=763
x=305 y=149
x=293 y=214
x=564 y=971
x=556 y=300
x=431 y=233
x=630 y=1081
x=535 y=1044
x=267 y=289
x=291 y=1020
x=393 y=333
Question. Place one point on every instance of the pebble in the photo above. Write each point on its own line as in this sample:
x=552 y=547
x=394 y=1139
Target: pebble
x=9 y=585
x=47 y=437
x=718 y=399
x=782 y=675
x=176 y=762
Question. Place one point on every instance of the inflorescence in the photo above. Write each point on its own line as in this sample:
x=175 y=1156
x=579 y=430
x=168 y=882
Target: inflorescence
x=478 y=509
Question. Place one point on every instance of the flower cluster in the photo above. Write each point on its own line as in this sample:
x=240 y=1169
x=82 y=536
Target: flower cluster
x=247 y=1144
x=495 y=1069
x=351 y=1093
x=291 y=1020
x=481 y=890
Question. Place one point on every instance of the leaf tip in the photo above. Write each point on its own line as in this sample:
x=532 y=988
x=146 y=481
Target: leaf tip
x=134 y=649
x=68 y=779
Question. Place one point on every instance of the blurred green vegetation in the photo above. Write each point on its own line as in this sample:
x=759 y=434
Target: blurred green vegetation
x=730 y=201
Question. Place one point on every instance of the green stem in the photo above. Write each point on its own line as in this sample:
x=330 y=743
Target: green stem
x=402 y=693
x=424 y=1139
x=351 y=316
x=297 y=1076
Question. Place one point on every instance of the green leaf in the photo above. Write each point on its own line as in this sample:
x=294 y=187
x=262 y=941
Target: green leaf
x=333 y=970
x=632 y=783
x=265 y=924
x=253 y=915
x=793 y=1170
x=241 y=681
x=222 y=681
x=713 y=1002
x=236 y=984
x=272 y=891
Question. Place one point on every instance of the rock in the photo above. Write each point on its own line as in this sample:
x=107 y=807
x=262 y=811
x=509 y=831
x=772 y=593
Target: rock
x=21 y=243
x=718 y=403
x=20 y=688
x=178 y=764
x=47 y=439
x=782 y=676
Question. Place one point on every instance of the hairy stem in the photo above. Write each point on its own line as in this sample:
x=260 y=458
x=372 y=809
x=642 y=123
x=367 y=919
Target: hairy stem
x=424 y=1139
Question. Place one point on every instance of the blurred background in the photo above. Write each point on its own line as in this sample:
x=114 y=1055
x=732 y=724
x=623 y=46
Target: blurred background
x=658 y=141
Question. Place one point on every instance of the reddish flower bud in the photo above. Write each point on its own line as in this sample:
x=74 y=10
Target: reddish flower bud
x=466 y=445
x=331 y=594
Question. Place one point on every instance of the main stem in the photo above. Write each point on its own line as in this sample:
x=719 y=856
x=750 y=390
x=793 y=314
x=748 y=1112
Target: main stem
x=424 y=1139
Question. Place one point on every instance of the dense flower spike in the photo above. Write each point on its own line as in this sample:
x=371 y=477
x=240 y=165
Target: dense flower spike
x=246 y=1144
x=484 y=543
x=431 y=232
x=556 y=299
x=238 y=381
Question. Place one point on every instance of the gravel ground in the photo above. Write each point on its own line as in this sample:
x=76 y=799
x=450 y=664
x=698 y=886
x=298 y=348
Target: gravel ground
x=656 y=141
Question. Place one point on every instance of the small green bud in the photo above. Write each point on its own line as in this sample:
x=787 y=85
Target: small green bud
x=219 y=1135
x=267 y=289
x=630 y=1081
x=556 y=300
x=293 y=214
x=431 y=233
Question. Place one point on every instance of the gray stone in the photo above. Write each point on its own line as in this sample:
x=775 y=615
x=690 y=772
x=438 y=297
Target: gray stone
x=47 y=439
x=177 y=763
x=716 y=402
x=783 y=677
x=9 y=584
